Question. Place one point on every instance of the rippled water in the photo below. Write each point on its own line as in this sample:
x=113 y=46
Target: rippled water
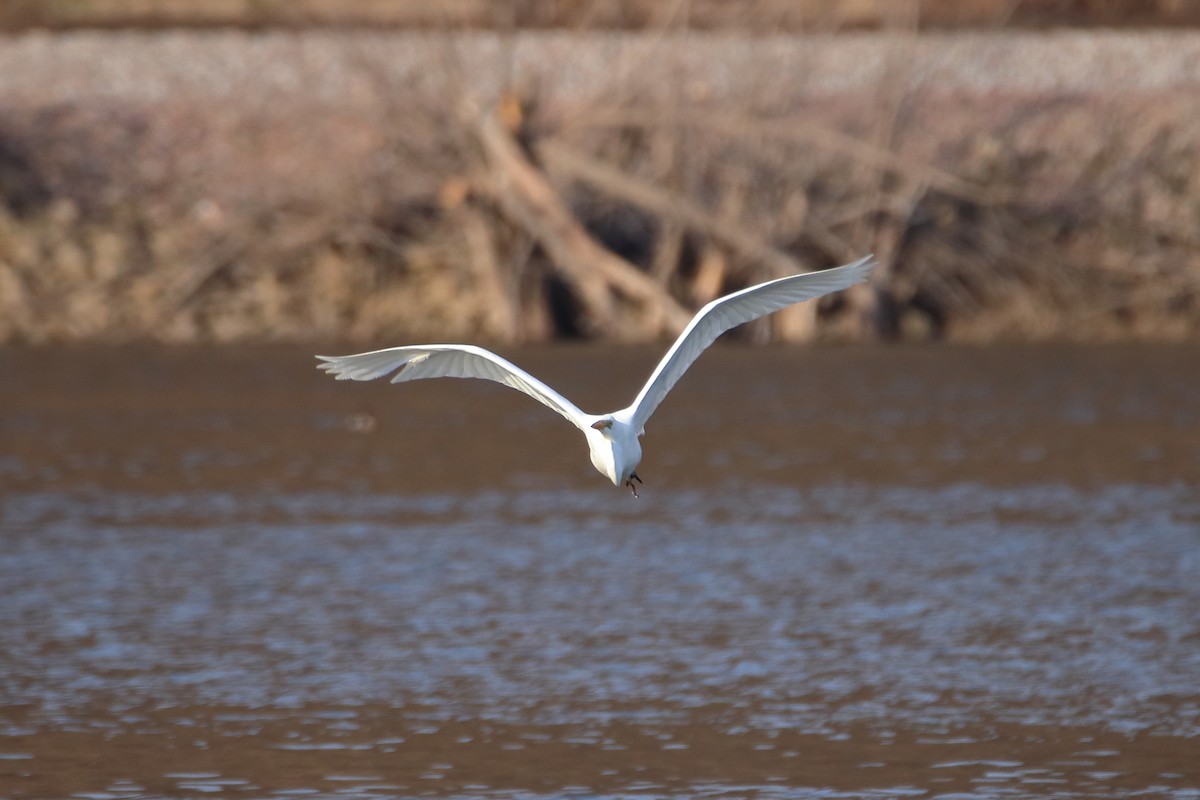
x=852 y=573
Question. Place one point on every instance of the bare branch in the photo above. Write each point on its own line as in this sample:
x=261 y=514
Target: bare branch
x=743 y=127
x=525 y=195
x=651 y=198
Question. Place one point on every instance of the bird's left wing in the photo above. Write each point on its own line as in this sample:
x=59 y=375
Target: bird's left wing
x=448 y=361
x=731 y=310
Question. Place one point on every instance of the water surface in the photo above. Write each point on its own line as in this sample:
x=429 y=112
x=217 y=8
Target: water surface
x=851 y=573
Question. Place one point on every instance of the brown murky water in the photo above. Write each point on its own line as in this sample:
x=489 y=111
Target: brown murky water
x=953 y=573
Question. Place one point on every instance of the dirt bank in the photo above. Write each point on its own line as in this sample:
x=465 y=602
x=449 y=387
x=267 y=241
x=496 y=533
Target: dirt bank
x=778 y=16
x=228 y=186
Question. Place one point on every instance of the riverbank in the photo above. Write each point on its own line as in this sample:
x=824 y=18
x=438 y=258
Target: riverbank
x=779 y=16
x=225 y=186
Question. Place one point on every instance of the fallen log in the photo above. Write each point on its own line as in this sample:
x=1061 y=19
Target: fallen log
x=791 y=325
x=526 y=197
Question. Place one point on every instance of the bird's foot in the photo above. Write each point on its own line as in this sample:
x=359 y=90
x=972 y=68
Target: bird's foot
x=633 y=476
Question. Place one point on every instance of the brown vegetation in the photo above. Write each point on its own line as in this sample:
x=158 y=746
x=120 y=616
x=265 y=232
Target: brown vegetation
x=755 y=15
x=431 y=210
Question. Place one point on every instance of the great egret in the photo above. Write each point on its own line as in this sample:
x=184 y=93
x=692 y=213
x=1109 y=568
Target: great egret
x=613 y=437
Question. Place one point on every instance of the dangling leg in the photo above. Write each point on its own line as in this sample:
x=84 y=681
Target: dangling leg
x=633 y=476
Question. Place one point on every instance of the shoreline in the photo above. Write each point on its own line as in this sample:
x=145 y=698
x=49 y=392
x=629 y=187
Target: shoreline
x=226 y=186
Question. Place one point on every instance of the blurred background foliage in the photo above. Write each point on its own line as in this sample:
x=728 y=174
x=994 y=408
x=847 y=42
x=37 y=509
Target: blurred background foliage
x=436 y=201
x=762 y=15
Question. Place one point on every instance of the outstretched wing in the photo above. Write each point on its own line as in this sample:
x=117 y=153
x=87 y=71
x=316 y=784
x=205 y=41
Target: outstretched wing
x=448 y=361
x=731 y=310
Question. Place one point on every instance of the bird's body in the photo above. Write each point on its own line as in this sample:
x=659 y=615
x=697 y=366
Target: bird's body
x=615 y=448
x=613 y=438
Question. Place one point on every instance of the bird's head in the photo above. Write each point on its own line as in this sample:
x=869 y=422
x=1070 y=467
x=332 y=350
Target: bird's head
x=603 y=425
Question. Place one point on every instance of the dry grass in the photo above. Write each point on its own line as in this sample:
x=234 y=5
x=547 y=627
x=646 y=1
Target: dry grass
x=755 y=15
x=1022 y=217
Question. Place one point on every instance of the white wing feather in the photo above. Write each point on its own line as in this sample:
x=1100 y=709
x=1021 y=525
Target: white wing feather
x=448 y=361
x=730 y=311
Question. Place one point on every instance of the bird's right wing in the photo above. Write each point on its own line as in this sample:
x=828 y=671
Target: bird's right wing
x=448 y=361
x=731 y=310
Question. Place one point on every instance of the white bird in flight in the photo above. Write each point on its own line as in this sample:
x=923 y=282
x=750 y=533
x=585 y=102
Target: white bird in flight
x=613 y=437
